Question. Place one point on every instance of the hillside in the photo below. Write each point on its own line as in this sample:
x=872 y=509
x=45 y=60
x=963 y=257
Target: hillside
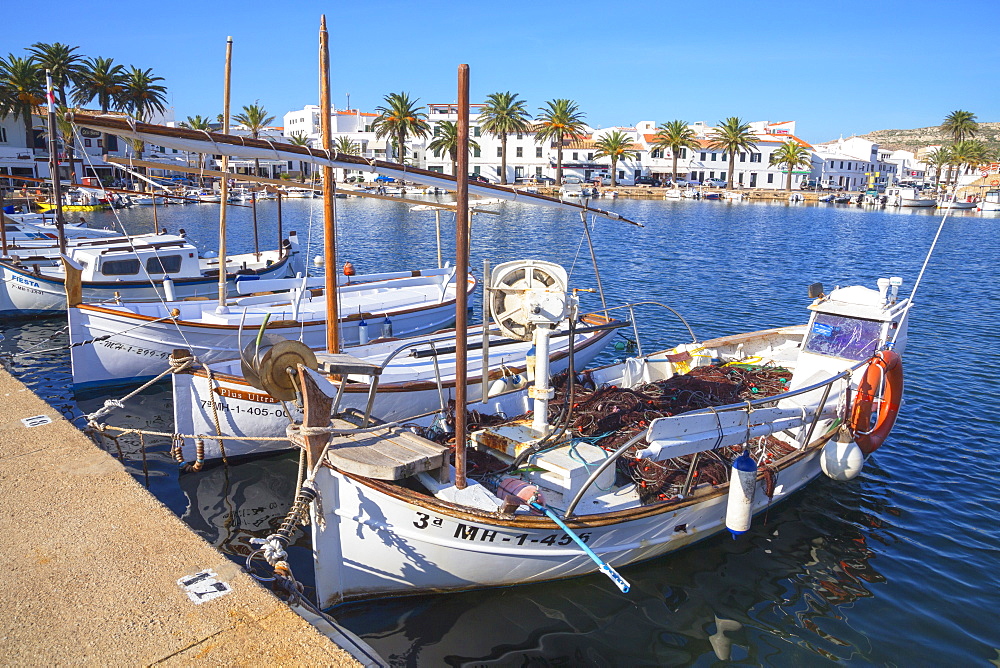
x=911 y=140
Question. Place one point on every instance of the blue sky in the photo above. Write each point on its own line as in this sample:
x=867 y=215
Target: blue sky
x=839 y=68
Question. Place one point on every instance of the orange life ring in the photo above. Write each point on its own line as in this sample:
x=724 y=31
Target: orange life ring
x=885 y=371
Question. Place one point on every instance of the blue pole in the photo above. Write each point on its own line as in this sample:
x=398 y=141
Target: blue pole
x=605 y=568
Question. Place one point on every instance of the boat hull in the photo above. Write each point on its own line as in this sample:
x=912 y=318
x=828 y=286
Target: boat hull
x=133 y=343
x=24 y=292
x=920 y=203
x=245 y=411
x=371 y=540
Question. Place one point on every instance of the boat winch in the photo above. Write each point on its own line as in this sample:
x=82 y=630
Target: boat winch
x=266 y=362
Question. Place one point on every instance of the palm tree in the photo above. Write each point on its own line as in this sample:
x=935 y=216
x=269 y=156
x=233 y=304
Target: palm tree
x=254 y=118
x=792 y=155
x=141 y=96
x=502 y=115
x=732 y=136
x=446 y=141
x=198 y=123
x=938 y=159
x=64 y=66
x=961 y=125
x=346 y=145
x=966 y=153
x=398 y=117
x=675 y=136
x=300 y=139
x=21 y=91
x=102 y=79
x=616 y=145
x=559 y=119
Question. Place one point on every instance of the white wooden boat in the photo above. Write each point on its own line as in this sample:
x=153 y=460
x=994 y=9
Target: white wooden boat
x=35 y=230
x=991 y=201
x=908 y=197
x=400 y=529
x=949 y=202
x=133 y=270
x=412 y=380
x=132 y=342
x=149 y=200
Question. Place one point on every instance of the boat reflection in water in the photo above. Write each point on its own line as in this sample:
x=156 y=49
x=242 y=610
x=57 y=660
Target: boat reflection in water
x=229 y=505
x=797 y=575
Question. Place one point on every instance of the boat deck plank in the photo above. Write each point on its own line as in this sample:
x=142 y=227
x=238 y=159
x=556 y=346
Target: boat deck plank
x=391 y=453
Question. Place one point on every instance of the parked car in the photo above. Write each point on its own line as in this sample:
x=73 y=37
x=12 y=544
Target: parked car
x=478 y=178
x=834 y=187
x=572 y=179
x=715 y=183
x=682 y=182
x=647 y=181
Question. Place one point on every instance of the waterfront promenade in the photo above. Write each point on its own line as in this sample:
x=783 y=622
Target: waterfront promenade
x=93 y=560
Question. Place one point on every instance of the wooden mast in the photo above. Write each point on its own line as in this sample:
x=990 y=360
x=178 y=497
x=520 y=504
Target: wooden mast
x=462 y=267
x=54 y=164
x=329 y=224
x=224 y=188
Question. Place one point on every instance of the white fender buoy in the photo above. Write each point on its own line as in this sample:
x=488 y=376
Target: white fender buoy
x=507 y=383
x=742 y=485
x=362 y=332
x=318 y=260
x=386 y=332
x=841 y=458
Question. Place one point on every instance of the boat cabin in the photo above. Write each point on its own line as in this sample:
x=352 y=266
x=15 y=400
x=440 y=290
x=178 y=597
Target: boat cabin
x=168 y=256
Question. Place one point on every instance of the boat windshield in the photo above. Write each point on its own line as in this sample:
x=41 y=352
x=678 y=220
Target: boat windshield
x=842 y=336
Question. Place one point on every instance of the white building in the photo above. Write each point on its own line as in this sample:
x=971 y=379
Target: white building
x=855 y=164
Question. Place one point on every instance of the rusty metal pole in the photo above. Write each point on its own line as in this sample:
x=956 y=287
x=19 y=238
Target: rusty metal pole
x=462 y=269
x=329 y=224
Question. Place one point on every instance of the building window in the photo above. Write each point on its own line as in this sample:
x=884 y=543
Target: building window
x=711 y=175
x=518 y=172
x=841 y=164
x=475 y=170
x=770 y=178
x=590 y=156
x=538 y=151
x=86 y=142
x=703 y=156
x=538 y=171
x=520 y=151
x=499 y=151
x=684 y=154
x=713 y=157
x=437 y=153
x=576 y=156
x=724 y=156
x=520 y=135
x=476 y=153
x=755 y=157
x=476 y=132
x=743 y=157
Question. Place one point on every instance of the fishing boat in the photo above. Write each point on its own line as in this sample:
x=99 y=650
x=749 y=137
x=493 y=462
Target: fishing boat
x=112 y=344
x=35 y=230
x=991 y=201
x=907 y=197
x=951 y=202
x=78 y=199
x=630 y=462
x=414 y=379
x=141 y=268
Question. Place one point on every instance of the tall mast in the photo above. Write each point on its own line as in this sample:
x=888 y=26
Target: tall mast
x=224 y=188
x=54 y=163
x=462 y=269
x=329 y=224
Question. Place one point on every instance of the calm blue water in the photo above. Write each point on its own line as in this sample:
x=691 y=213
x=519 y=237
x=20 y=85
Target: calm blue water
x=898 y=567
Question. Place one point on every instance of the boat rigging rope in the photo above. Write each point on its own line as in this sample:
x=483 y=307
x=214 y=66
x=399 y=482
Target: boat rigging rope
x=177 y=364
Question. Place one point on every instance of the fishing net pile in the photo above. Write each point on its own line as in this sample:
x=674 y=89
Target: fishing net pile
x=607 y=416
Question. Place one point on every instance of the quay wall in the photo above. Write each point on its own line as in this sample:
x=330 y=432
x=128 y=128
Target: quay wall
x=93 y=562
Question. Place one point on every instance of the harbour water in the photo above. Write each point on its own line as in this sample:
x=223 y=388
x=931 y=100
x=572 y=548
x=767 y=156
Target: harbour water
x=897 y=567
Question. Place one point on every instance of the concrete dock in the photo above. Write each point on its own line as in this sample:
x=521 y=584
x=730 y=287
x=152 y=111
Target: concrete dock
x=92 y=563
